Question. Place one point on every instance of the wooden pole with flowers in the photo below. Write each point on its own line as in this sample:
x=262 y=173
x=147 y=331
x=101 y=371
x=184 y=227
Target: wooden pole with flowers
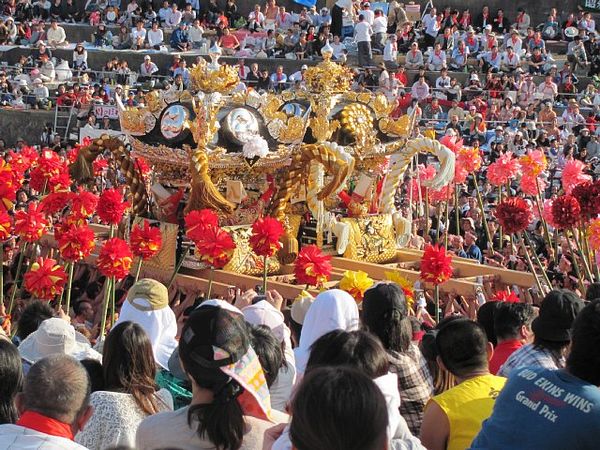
x=75 y=242
x=514 y=214
x=214 y=246
x=30 y=225
x=436 y=268
x=45 y=279
x=588 y=197
x=115 y=258
x=5 y=232
x=312 y=267
x=264 y=241
x=499 y=174
x=114 y=262
x=145 y=242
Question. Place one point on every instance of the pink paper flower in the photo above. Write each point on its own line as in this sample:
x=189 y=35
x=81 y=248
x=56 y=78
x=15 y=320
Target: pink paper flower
x=505 y=168
x=529 y=186
x=573 y=175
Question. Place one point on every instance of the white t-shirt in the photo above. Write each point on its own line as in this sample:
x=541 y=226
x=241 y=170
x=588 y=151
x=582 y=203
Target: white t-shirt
x=138 y=34
x=369 y=15
x=362 y=32
x=155 y=37
x=380 y=24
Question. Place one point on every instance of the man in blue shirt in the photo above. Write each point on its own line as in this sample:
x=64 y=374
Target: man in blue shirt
x=472 y=250
x=179 y=38
x=552 y=409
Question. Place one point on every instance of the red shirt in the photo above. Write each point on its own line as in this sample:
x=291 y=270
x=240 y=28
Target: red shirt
x=501 y=353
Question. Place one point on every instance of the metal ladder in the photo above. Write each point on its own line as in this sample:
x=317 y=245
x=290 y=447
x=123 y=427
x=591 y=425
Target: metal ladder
x=62 y=120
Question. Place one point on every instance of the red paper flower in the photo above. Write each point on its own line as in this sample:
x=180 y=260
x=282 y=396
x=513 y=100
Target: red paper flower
x=441 y=195
x=84 y=204
x=21 y=161
x=469 y=159
x=45 y=279
x=111 y=207
x=197 y=221
x=514 y=215
x=312 y=266
x=145 y=241
x=8 y=186
x=266 y=233
x=115 y=259
x=503 y=296
x=436 y=265
x=55 y=202
x=588 y=196
x=5 y=225
x=505 y=168
x=572 y=175
x=49 y=172
x=31 y=224
x=142 y=166
x=99 y=165
x=565 y=211
x=75 y=242
x=426 y=173
x=547 y=213
x=216 y=247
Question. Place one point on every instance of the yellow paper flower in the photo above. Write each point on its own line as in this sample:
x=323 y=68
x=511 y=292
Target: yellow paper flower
x=405 y=284
x=356 y=283
x=593 y=234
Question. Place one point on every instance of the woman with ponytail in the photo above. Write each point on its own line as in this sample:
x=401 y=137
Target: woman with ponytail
x=230 y=406
x=385 y=314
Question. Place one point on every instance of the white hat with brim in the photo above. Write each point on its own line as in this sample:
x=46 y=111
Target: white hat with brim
x=571 y=32
x=55 y=336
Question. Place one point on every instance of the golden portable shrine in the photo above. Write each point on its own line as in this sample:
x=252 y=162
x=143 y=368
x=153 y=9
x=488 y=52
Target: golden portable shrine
x=323 y=158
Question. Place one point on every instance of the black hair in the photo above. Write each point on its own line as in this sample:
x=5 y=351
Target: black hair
x=11 y=380
x=485 y=317
x=32 y=316
x=128 y=365
x=358 y=349
x=338 y=408
x=593 y=292
x=462 y=346
x=385 y=315
x=94 y=369
x=510 y=317
x=222 y=420
x=77 y=306
x=584 y=358
x=268 y=350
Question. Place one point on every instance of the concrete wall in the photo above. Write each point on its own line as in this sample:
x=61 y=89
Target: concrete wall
x=28 y=125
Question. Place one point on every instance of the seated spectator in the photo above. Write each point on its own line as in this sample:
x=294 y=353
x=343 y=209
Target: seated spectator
x=188 y=15
x=229 y=43
x=279 y=79
x=164 y=13
x=130 y=393
x=41 y=9
x=38 y=34
x=138 y=36
x=195 y=33
x=183 y=72
x=472 y=42
x=264 y=81
x=123 y=40
x=437 y=58
x=490 y=61
x=256 y=19
x=56 y=35
x=179 y=38
x=155 y=37
x=269 y=44
x=420 y=89
x=40 y=98
x=226 y=410
x=284 y=19
x=405 y=37
x=548 y=89
x=102 y=36
x=536 y=41
x=47 y=71
x=537 y=61
x=464 y=351
x=147 y=69
x=414 y=58
x=578 y=381
x=174 y=18
x=576 y=54
x=522 y=22
x=53 y=406
x=510 y=60
x=80 y=58
x=70 y=12
x=460 y=55
x=552 y=334
x=550 y=28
